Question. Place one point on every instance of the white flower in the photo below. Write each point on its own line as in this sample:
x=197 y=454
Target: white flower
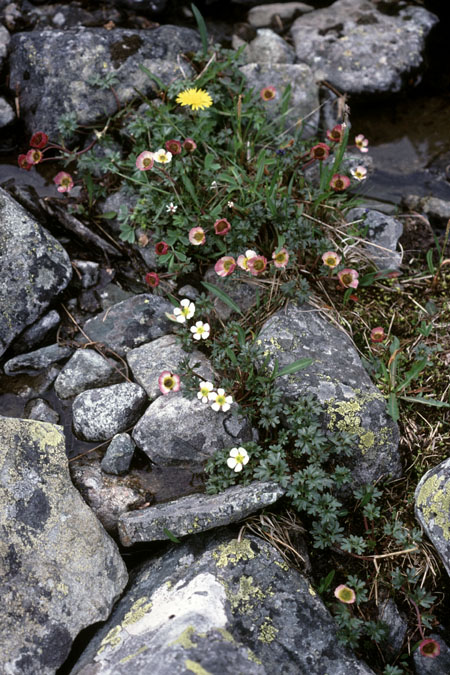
x=360 y=173
x=162 y=156
x=186 y=311
x=238 y=457
x=213 y=185
x=171 y=208
x=230 y=205
x=221 y=401
x=205 y=390
x=200 y=330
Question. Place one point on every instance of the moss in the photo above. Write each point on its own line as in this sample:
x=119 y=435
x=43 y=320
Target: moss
x=267 y=632
x=243 y=601
x=233 y=552
x=137 y=611
x=196 y=668
x=184 y=639
x=434 y=501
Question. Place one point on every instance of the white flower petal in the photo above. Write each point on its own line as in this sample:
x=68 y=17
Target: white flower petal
x=216 y=407
x=225 y=407
x=238 y=467
x=231 y=462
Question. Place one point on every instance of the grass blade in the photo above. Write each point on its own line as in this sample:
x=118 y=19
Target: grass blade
x=201 y=28
x=294 y=367
x=222 y=296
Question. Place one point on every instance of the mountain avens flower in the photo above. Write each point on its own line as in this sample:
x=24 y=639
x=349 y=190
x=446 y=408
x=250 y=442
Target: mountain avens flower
x=204 y=392
x=220 y=400
x=185 y=312
x=200 y=331
x=197 y=236
x=162 y=156
x=196 y=99
x=168 y=382
x=238 y=458
x=225 y=266
x=359 y=173
x=331 y=259
x=361 y=143
x=280 y=258
x=145 y=160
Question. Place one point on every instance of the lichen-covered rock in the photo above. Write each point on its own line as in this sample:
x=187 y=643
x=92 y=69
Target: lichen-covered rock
x=263 y=15
x=33 y=362
x=58 y=71
x=361 y=50
x=37 y=332
x=34 y=268
x=51 y=544
x=175 y=431
x=99 y=414
x=7 y=114
x=382 y=230
x=149 y=361
x=220 y=606
x=266 y=47
x=433 y=508
x=119 y=454
x=196 y=513
x=130 y=323
x=87 y=369
x=350 y=401
x=437 y=210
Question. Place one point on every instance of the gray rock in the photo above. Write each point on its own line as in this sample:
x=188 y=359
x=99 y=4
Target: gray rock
x=39 y=409
x=263 y=15
x=111 y=295
x=149 y=361
x=89 y=272
x=119 y=454
x=4 y=44
x=51 y=543
x=175 y=431
x=304 y=99
x=389 y=614
x=99 y=414
x=220 y=606
x=147 y=6
x=239 y=288
x=349 y=399
x=87 y=369
x=196 y=513
x=359 y=49
x=7 y=114
x=432 y=508
x=437 y=210
x=56 y=70
x=33 y=362
x=188 y=291
x=439 y=665
x=130 y=323
x=382 y=230
x=34 y=268
x=268 y=47
x=37 y=332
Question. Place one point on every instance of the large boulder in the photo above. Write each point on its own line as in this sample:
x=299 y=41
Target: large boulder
x=51 y=545
x=34 y=268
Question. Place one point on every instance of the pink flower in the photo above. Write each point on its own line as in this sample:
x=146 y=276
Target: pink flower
x=335 y=134
x=268 y=93
x=152 y=279
x=280 y=258
x=145 y=160
x=161 y=248
x=34 y=156
x=23 y=163
x=348 y=278
x=361 y=143
x=168 y=382
x=39 y=140
x=189 y=145
x=197 y=236
x=225 y=266
x=339 y=183
x=222 y=226
x=320 y=151
x=345 y=594
x=242 y=260
x=64 y=181
x=430 y=648
x=173 y=146
x=331 y=259
x=377 y=334
x=257 y=265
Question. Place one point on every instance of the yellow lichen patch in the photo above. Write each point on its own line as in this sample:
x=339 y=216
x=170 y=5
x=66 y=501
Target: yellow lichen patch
x=132 y=656
x=268 y=632
x=48 y=435
x=233 y=552
x=253 y=657
x=434 y=501
x=196 y=668
x=244 y=600
x=311 y=590
x=284 y=566
x=112 y=639
x=226 y=635
x=346 y=416
x=184 y=639
x=137 y=611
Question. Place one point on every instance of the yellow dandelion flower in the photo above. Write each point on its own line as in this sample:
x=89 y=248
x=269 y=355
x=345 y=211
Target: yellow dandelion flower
x=197 y=99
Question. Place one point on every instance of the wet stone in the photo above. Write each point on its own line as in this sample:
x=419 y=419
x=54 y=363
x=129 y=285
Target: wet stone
x=87 y=369
x=33 y=362
x=99 y=414
x=119 y=454
x=39 y=409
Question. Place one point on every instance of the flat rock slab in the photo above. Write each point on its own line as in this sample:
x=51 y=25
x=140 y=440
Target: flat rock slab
x=382 y=230
x=175 y=431
x=99 y=414
x=350 y=400
x=33 y=362
x=130 y=323
x=361 y=50
x=433 y=508
x=51 y=545
x=34 y=269
x=87 y=369
x=220 y=606
x=196 y=513
x=57 y=72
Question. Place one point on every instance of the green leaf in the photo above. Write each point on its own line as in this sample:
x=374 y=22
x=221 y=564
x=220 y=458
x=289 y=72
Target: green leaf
x=109 y=215
x=190 y=188
x=294 y=367
x=222 y=296
x=412 y=373
x=171 y=536
x=201 y=28
x=149 y=74
x=326 y=582
x=427 y=401
x=393 y=407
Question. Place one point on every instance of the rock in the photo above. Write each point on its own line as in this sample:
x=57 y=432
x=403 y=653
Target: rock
x=51 y=544
x=240 y=289
x=107 y=495
x=188 y=291
x=175 y=431
x=99 y=414
x=436 y=210
x=432 y=508
x=304 y=99
x=218 y=605
x=7 y=114
x=389 y=614
x=58 y=72
x=33 y=362
x=89 y=272
x=350 y=401
x=265 y=15
x=438 y=665
x=4 y=44
x=361 y=50
x=39 y=409
x=149 y=361
x=87 y=369
x=145 y=6
x=34 y=269
x=119 y=454
x=39 y=331
x=196 y=513
x=111 y=295
x=268 y=47
x=382 y=230
x=130 y=323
